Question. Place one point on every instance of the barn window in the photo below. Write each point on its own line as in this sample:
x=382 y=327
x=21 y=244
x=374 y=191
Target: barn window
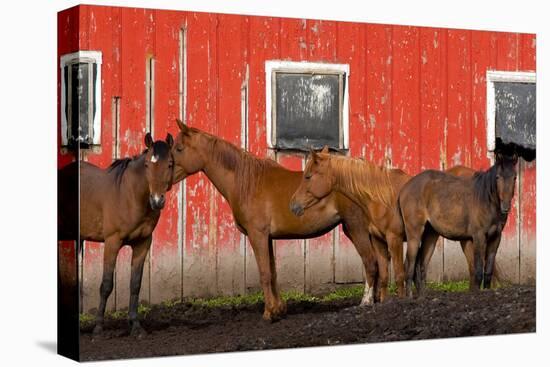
x=511 y=109
x=307 y=105
x=81 y=99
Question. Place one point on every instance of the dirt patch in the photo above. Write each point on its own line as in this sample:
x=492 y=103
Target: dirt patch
x=190 y=329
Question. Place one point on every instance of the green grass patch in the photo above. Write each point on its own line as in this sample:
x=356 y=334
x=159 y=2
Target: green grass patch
x=458 y=286
x=340 y=294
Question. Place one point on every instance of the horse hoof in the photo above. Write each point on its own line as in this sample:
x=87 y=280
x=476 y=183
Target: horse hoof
x=138 y=332
x=98 y=330
x=281 y=310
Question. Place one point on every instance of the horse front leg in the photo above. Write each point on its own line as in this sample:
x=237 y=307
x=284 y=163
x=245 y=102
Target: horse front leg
x=491 y=253
x=280 y=304
x=360 y=238
x=469 y=252
x=480 y=245
x=139 y=253
x=110 y=252
x=260 y=245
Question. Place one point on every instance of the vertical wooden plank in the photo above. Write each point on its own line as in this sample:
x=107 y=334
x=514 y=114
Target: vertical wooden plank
x=528 y=218
x=321 y=37
x=293 y=39
x=319 y=252
x=406 y=99
x=432 y=120
x=509 y=251
x=165 y=254
x=132 y=127
x=293 y=35
x=290 y=254
x=528 y=44
x=483 y=59
x=100 y=38
x=232 y=48
x=263 y=39
x=200 y=253
x=459 y=131
x=527 y=185
x=378 y=76
x=351 y=50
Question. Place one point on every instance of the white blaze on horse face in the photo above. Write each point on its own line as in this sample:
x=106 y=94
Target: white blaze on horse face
x=154 y=158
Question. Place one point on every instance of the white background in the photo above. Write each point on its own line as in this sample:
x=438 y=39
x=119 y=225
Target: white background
x=28 y=181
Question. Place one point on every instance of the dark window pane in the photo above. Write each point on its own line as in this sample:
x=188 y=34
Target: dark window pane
x=307 y=111
x=516 y=113
x=80 y=103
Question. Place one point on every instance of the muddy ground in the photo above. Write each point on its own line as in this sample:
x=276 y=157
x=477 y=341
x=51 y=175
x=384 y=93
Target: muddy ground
x=190 y=329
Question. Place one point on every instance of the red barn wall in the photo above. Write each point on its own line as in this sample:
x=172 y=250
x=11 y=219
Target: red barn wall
x=417 y=101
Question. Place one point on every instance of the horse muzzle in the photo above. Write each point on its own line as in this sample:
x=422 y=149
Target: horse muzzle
x=504 y=209
x=296 y=209
x=157 y=201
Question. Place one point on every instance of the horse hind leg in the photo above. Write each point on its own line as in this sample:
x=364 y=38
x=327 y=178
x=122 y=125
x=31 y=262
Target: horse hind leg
x=427 y=248
x=111 y=248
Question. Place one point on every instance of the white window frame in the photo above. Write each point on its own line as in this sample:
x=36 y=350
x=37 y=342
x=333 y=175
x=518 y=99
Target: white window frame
x=304 y=67
x=493 y=76
x=76 y=57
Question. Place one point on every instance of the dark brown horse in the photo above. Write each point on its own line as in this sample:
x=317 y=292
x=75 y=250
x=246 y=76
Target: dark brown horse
x=258 y=192
x=474 y=208
x=375 y=189
x=118 y=206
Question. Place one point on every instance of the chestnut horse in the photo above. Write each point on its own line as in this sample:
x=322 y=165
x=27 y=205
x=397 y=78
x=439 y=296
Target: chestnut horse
x=375 y=189
x=474 y=208
x=258 y=192
x=118 y=206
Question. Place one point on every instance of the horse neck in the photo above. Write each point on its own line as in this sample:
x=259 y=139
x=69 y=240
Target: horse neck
x=134 y=183
x=221 y=177
x=485 y=188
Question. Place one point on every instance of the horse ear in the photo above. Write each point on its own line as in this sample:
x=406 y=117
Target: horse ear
x=169 y=140
x=313 y=154
x=515 y=157
x=182 y=126
x=498 y=156
x=148 y=140
x=325 y=149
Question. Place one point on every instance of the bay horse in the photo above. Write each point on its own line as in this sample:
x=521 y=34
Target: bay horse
x=473 y=208
x=375 y=189
x=258 y=192
x=119 y=206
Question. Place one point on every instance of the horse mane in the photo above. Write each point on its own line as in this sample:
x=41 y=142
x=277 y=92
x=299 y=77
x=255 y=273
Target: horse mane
x=485 y=187
x=248 y=168
x=119 y=166
x=363 y=179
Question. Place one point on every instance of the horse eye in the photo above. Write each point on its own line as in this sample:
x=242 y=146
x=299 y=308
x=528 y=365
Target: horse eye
x=307 y=177
x=179 y=149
